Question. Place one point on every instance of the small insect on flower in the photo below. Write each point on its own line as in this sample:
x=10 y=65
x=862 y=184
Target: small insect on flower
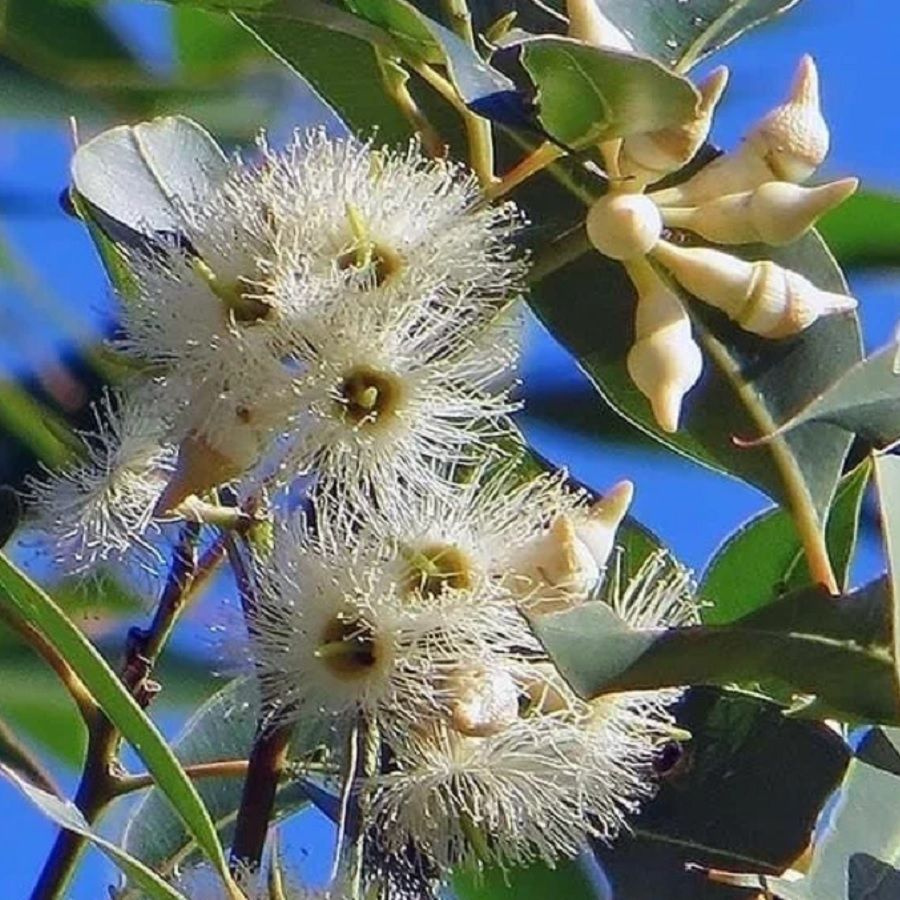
x=101 y=506
x=336 y=634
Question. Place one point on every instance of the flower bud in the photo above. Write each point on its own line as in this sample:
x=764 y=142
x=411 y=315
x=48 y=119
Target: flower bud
x=588 y=24
x=761 y=296
x=201 y=466
x=793 y=138
x=651 y=156
x=485 y=702
x=665 y=361
x=787 y=144
x=623 y=226
x=776 y=213
x=596 y=527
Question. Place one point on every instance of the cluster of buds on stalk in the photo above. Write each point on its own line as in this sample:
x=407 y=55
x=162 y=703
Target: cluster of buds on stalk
x=751 y=195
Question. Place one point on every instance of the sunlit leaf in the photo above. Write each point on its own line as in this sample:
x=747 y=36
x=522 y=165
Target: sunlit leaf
x=835 y=649
x=764 y=557
x=68 y=816
x=42 y=613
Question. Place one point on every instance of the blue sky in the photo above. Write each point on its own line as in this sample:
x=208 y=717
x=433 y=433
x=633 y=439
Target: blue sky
x=855 y=44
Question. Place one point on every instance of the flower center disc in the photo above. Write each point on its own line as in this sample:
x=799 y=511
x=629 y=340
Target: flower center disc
x=438 y=567
x=369 y=395
x=348 y=648
x=378 y=261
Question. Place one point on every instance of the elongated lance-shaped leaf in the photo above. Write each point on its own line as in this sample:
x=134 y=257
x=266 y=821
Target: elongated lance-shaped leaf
x=19 y=592
x=864 y=400
x=809 y=644
x=68 y=816
x=764 y=557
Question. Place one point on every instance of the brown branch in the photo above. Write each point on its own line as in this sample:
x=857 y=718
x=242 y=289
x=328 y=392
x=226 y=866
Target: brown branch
x=223 y=768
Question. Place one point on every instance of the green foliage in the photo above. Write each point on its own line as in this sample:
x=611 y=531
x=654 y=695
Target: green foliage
x=26 y=599
x=764 y=558
x=68 y=816
x=836 y=651
x=588 y=94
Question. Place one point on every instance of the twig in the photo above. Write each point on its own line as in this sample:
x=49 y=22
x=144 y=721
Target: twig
x=223 y=768
x=269 y=754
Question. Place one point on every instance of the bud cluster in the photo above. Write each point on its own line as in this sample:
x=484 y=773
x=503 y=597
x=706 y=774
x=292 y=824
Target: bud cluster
x=752 y=195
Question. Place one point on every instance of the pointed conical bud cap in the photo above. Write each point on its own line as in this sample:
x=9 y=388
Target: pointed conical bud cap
x=198 y=468
x=782 y=212
x=588 y=24
x=655 y=154
x=793 y=138
x=596 y=529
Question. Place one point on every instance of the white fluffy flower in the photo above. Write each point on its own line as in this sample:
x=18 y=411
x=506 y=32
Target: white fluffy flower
x=393 y=398
x=337 y=633
x=387 y=227
x=564 y=772
x=101 y=506
x=537 y=539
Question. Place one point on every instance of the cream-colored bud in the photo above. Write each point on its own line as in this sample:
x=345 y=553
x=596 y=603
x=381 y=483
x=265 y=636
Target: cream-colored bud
x=793 y=138
x=554 y=571
x=623 y=226
x=651 y=156
x=485 y=702
x=787 y=144
x=761 y=297
x=777 y=212
x=596 y=527
x=588 y=24
x=665 y=361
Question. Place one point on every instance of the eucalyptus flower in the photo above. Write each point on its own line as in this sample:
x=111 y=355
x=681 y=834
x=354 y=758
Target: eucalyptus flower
x=100 y=506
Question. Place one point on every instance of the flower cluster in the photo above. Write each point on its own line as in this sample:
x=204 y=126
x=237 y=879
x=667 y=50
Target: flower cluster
x=347 y=312
x=752 y=195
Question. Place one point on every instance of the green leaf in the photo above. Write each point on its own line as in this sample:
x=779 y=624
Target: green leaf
x=68 y=816
x=864 y=400
x=535 y=882
x=20 y=593
x=749 y=383
x=33 y=425
x=864 y=231
x=681 y=34
x=764 y=557
x=316 y=40
x=166 y=158
x=223 y=728
x=211 y=44
x=63 y=38
x=745 y=764
x=587 y=94
x=855 y=849
x=837 y=650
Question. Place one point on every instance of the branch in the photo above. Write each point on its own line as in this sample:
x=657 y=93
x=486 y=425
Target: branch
x=223 y=768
